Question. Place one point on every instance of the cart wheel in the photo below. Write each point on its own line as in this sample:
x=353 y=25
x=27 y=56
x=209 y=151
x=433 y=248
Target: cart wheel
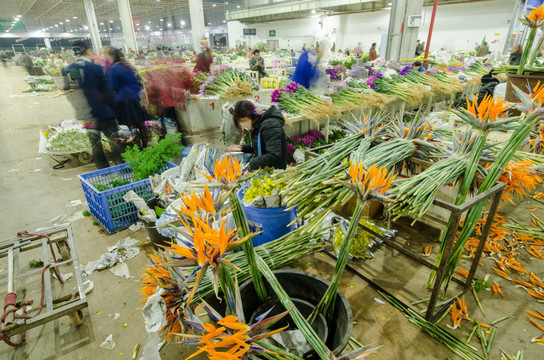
x=64 y=250
x=76 y=318
x=84 y=157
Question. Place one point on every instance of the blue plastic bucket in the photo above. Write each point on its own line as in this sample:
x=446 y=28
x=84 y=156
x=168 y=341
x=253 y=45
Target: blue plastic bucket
x=273 y=223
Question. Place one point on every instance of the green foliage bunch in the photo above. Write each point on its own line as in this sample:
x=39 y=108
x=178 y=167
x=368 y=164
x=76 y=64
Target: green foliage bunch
x=151 y=160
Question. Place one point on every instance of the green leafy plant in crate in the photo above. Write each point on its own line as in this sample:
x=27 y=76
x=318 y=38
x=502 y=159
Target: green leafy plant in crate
x=151 y=160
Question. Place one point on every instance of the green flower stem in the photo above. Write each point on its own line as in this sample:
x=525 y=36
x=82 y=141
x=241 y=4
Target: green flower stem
x=302 y=324
x=327 y=302
x=526 y=51
x=537 y=49
x=249 y=251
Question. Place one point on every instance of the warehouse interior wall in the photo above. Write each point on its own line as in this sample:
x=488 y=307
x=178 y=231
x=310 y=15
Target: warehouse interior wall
x=488 y=18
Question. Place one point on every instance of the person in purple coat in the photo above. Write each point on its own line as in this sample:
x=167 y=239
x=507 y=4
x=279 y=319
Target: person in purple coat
x=127 y=95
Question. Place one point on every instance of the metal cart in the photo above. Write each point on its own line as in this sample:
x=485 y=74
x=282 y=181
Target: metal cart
x=50 y=307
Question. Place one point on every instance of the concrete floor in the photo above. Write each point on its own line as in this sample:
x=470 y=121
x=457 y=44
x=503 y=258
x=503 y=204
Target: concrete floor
x=33 y=195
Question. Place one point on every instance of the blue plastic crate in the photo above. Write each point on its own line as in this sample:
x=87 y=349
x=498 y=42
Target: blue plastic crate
x=108 y=207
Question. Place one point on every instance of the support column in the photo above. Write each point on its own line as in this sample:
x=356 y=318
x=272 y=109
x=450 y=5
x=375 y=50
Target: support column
x=93 y=26
x=198 y=28
x=128 y=26
x=401 y=39
x=341 y=32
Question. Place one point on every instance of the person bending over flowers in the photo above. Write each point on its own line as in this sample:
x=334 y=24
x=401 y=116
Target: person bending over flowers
x=268 y=143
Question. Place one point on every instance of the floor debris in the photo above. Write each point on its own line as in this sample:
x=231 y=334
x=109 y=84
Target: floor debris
x=108 y=344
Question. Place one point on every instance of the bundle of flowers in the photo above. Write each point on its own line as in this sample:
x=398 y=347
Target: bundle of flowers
x=401 y=88
x=263 y=192
x=359 y=84
x=444 y=84
x=335 y=72
x=54 y=67
x=350 y=99
x=358 y=72
x=298 y=100
x=69 y=139
x=312 y=139
x=229 y=83
x=392 y=64
x=200 y=78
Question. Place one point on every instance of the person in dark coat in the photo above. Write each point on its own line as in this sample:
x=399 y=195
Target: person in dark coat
x=99 y=98
x=515 y=55
x=266 y=127
x=489 y=82
x=127 y=95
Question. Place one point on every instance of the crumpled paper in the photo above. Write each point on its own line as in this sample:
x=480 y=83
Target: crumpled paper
x=108 y=344
x=299 y=157
x=154 y=313
x=145 y=211
x=120 y=252
x=290 y=340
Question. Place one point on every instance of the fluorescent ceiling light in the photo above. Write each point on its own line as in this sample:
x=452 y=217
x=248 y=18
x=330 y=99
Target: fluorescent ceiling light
x=67 y=20
x=147 y=27
x=162 y=20
x=101 y=23
x=75 y=17
x=111 y=21
x=182 y=22
x=313 y=11
x=169 y=25
x=214 y=5
x=237 y=6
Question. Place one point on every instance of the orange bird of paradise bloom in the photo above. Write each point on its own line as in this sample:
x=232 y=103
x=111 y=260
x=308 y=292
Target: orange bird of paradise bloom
x=374 y=180
x=209 y=246
x=535 y=17
x=490 y=109
x=226 y=171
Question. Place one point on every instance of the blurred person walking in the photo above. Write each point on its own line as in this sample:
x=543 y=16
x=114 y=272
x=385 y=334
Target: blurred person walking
x=99 y=99
x=127 y=94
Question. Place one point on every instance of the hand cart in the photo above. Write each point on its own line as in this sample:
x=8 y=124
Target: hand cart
x=84 y=157
x=13 y=322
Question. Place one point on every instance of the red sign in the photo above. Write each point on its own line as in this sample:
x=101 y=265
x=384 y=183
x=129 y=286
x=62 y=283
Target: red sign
x=137 y=23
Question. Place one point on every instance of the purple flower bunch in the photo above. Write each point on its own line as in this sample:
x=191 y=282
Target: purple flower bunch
x=370 y=70
x=290 y=148
x=315 y=133
x=455 y=69
x=358 y=72
x=334 y=72
x=292 y=87
x=370 y=81
x=221 y=68
x=405 y=70
x=305 y=140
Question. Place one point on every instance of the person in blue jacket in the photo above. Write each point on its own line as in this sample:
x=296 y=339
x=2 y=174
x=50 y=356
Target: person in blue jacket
x=127 y=94
x=100 y=101
x=306 y=71
x=417 y=65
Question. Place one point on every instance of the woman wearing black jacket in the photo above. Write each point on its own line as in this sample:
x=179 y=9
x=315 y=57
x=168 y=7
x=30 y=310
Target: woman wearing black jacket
x=268 y=141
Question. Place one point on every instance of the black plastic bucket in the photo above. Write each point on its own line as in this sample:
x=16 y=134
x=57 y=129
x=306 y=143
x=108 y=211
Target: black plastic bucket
x=309 y=288
x=156 y=238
